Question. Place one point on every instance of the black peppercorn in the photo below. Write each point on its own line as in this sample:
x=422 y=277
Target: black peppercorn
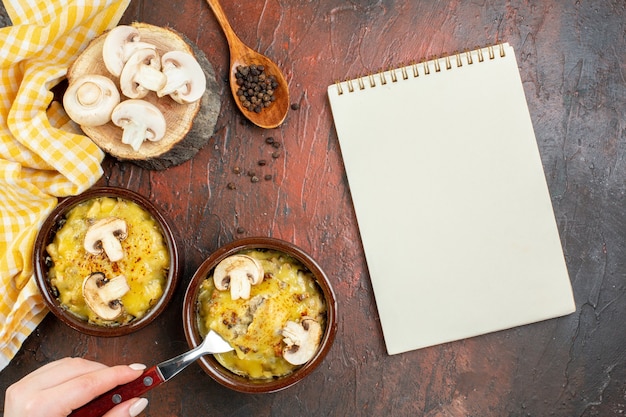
x=256 y=88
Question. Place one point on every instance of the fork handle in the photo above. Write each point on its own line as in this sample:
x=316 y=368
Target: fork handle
x=151 y=378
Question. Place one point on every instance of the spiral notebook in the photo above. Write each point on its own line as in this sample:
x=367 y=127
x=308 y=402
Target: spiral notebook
x=451 y=199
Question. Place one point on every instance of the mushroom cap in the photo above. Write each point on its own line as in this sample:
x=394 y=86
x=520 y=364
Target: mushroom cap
x=90 y=99
x=140 y=112
x=302 y=340
x=119 y=44
x=105 y=235
x=142 y=74
x=186 y=81
x=102 y=295
x=238 y=273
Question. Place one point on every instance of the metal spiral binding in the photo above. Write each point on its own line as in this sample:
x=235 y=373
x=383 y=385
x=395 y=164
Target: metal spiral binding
x=426 y=68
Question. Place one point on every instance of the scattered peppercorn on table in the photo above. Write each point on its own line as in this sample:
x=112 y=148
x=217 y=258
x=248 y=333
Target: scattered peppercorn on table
x=570 y=56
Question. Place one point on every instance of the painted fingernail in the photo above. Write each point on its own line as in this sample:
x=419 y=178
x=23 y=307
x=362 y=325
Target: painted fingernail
x=137 y=407
x=137 y=366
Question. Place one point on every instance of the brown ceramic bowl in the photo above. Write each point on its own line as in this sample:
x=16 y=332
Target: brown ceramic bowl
x=210 y=365
x=41 y=261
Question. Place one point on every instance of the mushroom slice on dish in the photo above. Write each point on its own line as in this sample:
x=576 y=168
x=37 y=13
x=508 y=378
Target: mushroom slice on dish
x=238 y=273
x=302 y=340
x=142 y=74
x=105 y=235
x=186 y=81
x=103 y=295
x=90 y=99
x=119 y=44
x=140 y=121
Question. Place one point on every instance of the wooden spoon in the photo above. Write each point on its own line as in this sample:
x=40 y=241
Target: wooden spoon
x=240 y=54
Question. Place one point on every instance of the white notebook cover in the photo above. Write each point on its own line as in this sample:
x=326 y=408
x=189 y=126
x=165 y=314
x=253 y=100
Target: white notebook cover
x=451 y=199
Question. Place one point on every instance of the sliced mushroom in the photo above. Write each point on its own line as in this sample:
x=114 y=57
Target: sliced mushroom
x=142 y=74
x=186 y=81
x=105 y=235
x=238 y=273
x=140 y=121
x=302 y=340
x=119 y=44
x=90 y=99
x=103 y=295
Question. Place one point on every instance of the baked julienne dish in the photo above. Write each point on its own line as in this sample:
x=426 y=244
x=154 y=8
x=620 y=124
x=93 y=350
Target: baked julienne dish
x=108 y=261
x=268 y=306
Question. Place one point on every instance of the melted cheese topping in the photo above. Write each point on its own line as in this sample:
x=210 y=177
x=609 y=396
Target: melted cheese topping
x=145 y=263
x=253 y=326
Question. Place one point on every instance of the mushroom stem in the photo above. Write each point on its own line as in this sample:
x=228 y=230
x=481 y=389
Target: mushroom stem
x=150 y=78
x=115 y=289
x=176 y=80
x=102 y=295
x=135 y=132
x=141 y=74
x=89 y=94
x=240 y=284
x=111 y=247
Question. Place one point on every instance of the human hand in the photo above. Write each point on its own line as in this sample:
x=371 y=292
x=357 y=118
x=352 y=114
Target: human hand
x=55 y=389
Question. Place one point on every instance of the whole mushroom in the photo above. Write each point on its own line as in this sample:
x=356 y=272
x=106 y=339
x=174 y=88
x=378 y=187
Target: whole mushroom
x=119 y=44
x=90 y=99
x=140 y=121
x=186 y=81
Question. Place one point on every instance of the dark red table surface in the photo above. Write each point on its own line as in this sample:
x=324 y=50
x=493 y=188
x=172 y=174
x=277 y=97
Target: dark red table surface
x=572 y=58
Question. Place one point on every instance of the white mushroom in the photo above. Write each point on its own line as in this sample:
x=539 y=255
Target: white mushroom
x=142 y=74
x=119 y=44
x=105 y=235
x=103 y=295
x=140 y=121
x=90 y=99
x=238 y=273
x=186 y=81
x=302 y=340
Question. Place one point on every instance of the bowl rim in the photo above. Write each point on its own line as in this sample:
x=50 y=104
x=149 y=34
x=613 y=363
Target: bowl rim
x=46 y=234
x=208 y=362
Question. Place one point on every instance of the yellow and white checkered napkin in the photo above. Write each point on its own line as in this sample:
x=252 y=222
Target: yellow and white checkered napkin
x=42 y=156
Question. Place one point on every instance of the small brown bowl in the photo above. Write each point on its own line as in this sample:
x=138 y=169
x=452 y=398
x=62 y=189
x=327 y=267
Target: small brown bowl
x=41 y=261
x=223 y=375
